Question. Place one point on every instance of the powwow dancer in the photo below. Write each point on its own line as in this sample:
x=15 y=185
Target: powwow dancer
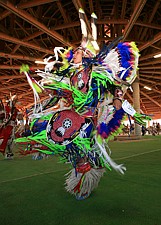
x=8 y=125
x=86 y=106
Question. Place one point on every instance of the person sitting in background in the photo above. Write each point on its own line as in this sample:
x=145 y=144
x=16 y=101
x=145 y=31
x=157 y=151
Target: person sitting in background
x=143 y=129
x=158 y=128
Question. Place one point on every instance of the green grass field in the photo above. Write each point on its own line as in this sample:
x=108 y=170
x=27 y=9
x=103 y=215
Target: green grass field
x=32 y=191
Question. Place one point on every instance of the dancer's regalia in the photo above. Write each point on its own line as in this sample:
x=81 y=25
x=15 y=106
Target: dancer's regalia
x=80 y=117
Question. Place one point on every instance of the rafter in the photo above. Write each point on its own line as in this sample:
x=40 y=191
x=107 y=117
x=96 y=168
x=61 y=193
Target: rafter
x=16 y=56
x=150 y=81
x=151 y=62
x=66 y=18
x=153 y=89
x=25 y=5
x=151 y=99
x=107 y=21
x=151 y=72
x=78 y=4
x=34 y=3
x=136 y=12
x=144 y=109
x=91 y=6
x=17 y=67
x=31 y=104
x=26 y=44
x=129 y=96
x=151 y=68
x=27 y=17
x=124 y=3
x=15 y=77
x=151 y=16
x=155 y=39
x=148 y=56
x=30 y=37
x=29 y=92
x=148 y=76
x=14 y=86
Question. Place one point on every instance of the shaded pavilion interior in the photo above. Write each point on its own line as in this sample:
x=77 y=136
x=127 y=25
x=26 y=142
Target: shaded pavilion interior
x=30 y=29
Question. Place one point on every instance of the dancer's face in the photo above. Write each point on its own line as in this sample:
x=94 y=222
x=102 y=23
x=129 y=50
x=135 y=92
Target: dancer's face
x=77 y=57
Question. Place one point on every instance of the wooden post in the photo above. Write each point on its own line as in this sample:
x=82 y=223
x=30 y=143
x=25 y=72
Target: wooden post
x=136 y=100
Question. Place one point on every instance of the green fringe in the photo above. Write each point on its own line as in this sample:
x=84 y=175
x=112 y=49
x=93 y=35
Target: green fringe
x=41 y=139
x=101 y=78
x=81 y=99
x=84 y=144
x=58 y=85
x=44 y=117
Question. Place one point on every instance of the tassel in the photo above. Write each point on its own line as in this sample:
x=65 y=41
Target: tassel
x=36 y=87
x=81 y=185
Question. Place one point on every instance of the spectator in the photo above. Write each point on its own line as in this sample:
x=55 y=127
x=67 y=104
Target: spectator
x=143 y=129
x=158 y=128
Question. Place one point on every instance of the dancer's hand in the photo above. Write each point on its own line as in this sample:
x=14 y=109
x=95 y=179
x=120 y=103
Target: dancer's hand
x=117 y=104
x=139 y=118
x=120 y=168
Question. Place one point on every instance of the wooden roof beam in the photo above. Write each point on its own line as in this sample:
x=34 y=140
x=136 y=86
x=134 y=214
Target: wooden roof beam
x=15 y=56
x=29 y=92
x=30 y=19
x=136 y=12
x=154 y=89
x=151 y=16
x=129 y=96
x=25 y=5
x=148 y=76
x=34 y=3
x=66 y=19
x=148 y=56
x=151 y=107
x=30 y=37
x=148 y=25
x=151 y=72
x=99 y=22
x=31 y=104
x=150 y=81
x=142 y=105
x=156 y=47
x=17 y=67
x=155 y=39
x=61 y=9
x=124 y=3
x=6 y=37
x=14 y=86
x=151 y=68
x=151 y=99
x=151 y=62
x=7 y=91
x=91 y=6
x=11 y=77
x=78 y=5
x=106 y=21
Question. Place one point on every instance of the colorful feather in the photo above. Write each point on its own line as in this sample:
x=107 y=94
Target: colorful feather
x=82 y=21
